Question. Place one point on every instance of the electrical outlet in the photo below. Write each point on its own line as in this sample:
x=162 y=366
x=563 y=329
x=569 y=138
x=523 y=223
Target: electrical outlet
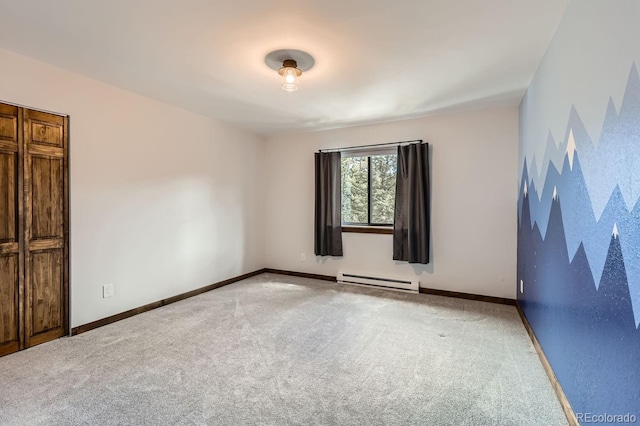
x=521 y=286
x=107 y=290
x=303 y=258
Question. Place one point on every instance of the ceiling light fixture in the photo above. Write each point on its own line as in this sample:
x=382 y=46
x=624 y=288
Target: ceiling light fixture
x=290 y=74
x=290 y=64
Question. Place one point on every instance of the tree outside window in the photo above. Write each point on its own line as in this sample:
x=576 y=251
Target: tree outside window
x=369 y=189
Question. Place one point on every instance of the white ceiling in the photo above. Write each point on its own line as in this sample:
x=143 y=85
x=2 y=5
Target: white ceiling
x=376 y=60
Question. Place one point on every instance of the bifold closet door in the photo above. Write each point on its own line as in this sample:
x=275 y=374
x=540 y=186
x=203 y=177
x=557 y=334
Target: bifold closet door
x=34 y=224
x=46 y=226
x=10 y=229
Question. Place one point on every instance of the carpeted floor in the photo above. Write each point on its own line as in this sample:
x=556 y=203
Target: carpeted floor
x=276 y=350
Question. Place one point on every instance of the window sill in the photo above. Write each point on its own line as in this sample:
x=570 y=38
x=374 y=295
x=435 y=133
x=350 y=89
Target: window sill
x=368 y=229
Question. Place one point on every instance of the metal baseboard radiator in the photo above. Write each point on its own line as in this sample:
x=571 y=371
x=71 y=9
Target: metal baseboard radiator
x=397 y=284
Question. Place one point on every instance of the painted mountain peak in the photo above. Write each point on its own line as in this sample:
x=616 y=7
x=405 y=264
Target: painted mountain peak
x=563 y=304
x=597 y=184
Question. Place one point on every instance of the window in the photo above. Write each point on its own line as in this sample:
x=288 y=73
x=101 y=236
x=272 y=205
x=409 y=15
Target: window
x=368 y=188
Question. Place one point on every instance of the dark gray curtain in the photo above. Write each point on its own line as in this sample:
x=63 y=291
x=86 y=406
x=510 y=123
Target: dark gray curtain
x=412 y=224
x=328 y=220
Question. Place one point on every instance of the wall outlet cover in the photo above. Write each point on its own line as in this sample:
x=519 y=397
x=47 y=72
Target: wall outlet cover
x=107 y=290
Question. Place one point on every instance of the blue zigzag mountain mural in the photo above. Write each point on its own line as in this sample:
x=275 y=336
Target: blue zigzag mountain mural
x=579 y=257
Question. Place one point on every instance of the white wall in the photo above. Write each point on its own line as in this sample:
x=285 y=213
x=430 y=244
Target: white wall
x=473 y=202
x=163 y=201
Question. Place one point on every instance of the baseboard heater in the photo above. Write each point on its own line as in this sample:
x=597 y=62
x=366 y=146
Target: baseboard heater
x=398 y=284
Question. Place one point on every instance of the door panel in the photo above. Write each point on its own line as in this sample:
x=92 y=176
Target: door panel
x=10 y=230
x=46 y=233
x=46 y=133
x=47 y=194
x=9 y=314
x=8 y=196
x=8 y=128
x=46 y=283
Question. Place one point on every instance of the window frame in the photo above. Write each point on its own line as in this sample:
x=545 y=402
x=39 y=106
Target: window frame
x=369 y=227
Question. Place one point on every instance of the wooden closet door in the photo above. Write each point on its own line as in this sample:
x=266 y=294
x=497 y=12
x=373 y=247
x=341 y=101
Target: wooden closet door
x=46 y=226
x=11 y=270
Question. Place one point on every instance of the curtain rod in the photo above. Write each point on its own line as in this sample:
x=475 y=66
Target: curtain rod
x=369 y=146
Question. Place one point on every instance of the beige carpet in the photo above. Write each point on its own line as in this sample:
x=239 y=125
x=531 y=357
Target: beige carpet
x=276 y=350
